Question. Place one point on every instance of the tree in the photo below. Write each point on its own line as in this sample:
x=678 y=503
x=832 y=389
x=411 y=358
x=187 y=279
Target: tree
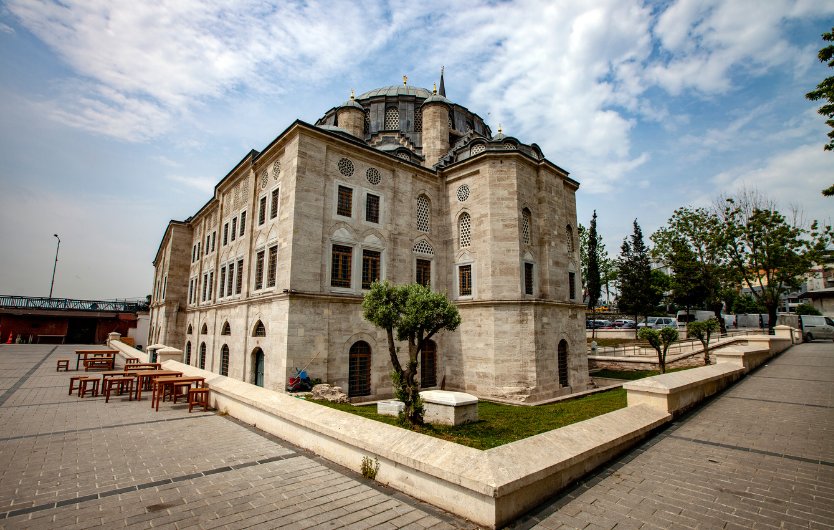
x=660 y=341
x=594 y=287
x=747 y=304
x=702 y=330
x=605 y=263
x=687 y=284
x=807 y=309
x=825 y=91
x=417 y=313
x=637 y=296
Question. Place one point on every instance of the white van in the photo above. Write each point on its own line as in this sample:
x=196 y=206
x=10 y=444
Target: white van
x=813 y=327
x=693 y=316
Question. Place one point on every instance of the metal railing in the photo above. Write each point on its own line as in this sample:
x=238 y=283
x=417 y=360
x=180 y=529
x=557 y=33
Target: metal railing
x=68 y=304
x=643 y=349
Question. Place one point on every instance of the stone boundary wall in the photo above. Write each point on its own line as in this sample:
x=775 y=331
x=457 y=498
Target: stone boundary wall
x=128 y=351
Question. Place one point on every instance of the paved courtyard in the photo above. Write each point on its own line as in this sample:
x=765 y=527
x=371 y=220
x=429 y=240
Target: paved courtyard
x=760 y=455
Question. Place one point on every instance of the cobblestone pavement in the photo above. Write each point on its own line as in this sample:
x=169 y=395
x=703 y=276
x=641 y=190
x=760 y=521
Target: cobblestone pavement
x=74 y=463
x=759 y=455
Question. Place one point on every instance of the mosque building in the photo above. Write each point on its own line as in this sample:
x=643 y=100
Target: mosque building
x=399 y=183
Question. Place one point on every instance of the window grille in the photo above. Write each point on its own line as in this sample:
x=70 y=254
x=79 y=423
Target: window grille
x=370 y=268
x=424 y=272
x=276 y=170
x=227 y=329
x=572 y=284
x=468 y=127
x=478 y=148
x=193 y=253
x=231 y=279
x=423 y=212
x=211 y=285
x=528 y=278
x=428 y=364
x=373 y=175
x=259 y=271
x=345 y=200
x=563 y=363
x=203 y=356
x=239 y=286
x=237 y=197
x=404 y=156
x=222 y=283
x=198 y=250
x=225 y=234
x=188 y=352
x=234 y=228
x=242 y=223
x=450 y=122
x=367 y=128
x=359 y=370
x=274 y=212
x=164 y=286
x=509 y=145
x=465 y=280
x=463 y=193
x=273 y=263
x=264 y=179
x=260 y=330
x=526 y=218
x=190 y=293
x=340 y=269
x=372 y=208
x=418 y=120
x=262 y=211
x=224 y=360
x=245 y=192
x=423 y=247
x=465 y=236
x=345 y=167
x=213 y=239
x=392 y=119
x=569 y=240
x=208 y=244
x=205 y=286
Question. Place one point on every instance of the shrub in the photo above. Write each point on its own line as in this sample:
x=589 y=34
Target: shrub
x=369 y=467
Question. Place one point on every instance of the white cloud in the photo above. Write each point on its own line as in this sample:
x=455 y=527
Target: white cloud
x=6 y=29
x=204 y=184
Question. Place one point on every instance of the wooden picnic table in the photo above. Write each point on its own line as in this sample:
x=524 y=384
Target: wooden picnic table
x=94 y=353
x=113 y=373
x=160 y=383
x=143 y=366
x=143 y=376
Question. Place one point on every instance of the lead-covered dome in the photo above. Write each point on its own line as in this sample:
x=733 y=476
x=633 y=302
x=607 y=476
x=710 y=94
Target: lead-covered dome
x=397 y=90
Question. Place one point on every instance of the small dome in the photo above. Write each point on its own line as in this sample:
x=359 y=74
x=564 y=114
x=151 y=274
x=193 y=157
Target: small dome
x=397 y=90
x=435 y=98
x=352 y=103
x=498 y=137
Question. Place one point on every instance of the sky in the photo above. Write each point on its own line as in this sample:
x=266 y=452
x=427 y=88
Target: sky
x=118 y=116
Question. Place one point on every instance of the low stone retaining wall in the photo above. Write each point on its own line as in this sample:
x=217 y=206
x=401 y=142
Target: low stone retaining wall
x=128 y=352
x=605 y=382
x=676 y=392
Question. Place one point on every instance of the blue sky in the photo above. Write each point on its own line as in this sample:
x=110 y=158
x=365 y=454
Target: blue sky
x=117 y=116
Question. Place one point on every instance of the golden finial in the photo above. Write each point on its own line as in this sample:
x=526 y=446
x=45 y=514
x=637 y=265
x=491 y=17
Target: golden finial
x=351 y=93
x=434 y=90
x=441 y=70
x=499 y=128
x=405 y=80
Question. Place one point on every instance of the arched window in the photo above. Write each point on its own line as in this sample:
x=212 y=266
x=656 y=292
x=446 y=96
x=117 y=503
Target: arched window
x=563 y=363
x=227 y=329
x=224 y=360
x=463 y=230
x=428 y=365
x=260 y=330
x=259 y=367
x=569 y=238
x=204 y=331
x=392 y=119
x=190 y=331
x=423 y=213
x=359 y=375
x=526 y=221
x=203 y=356
x=188 y=352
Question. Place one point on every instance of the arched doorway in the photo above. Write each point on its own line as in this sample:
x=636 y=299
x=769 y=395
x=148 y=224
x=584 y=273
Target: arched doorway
x=359 y=376
x=224 y=360
x=563 y=363
x=428 y=365
x=259 y=367
x=203 y=356
x=188 y=352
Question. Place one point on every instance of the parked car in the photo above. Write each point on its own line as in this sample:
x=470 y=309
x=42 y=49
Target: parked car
x=598 y=324
x=628 y=325
x=620 y=322
x=658 y=322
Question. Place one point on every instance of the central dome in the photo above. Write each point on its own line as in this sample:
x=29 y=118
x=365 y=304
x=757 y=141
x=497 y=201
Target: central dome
x=397 y=90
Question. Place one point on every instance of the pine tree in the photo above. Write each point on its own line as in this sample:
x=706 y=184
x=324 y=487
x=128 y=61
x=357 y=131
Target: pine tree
x=637 y=296
x=593 y=280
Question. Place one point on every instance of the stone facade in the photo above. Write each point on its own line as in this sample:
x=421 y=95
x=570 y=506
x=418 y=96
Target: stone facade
x=297 y=226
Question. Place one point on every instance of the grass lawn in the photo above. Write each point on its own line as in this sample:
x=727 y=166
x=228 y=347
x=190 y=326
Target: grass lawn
x=631 y=375
x=604 y=343
x=500 y=424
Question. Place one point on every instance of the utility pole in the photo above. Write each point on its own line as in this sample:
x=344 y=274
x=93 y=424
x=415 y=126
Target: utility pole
x=54 y=266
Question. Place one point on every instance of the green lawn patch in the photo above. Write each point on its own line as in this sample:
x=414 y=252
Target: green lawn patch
x=631 y=375
x=500 y=424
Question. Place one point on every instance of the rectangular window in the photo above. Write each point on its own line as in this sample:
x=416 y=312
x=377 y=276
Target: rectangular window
x=234 y=228
x=193 y=253
x=424 y=272
x=273 y=264
x=242 y=223
x=372 y=209
x=231 y=279
x=239 y=286
x=259 y=271
x=205 y=286
x=225 y=234
x=370 y=268
x=572 y=283
x=274 y=212
x=262 y=211
x=208 y=242
x=190 y=290
x=345 y=201
x=340 y=268
x=213 y=239
x=164 y=285
x=222 y=283
x=198 y=250
x=211 y=285
x=528 y=278
x=465 y=280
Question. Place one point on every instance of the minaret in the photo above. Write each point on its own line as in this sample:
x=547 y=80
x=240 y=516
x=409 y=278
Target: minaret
x=351 y=117
x=435 y=126
x=442 y=91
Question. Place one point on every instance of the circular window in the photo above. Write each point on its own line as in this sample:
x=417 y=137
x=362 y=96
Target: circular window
x=463 y=193
x=276 y=169
x=373 y=175
x=345 y=167
x=264 y=179
x=478 y=148
x=404 y=156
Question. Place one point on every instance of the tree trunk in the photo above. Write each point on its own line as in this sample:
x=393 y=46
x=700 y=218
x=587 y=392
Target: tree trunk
x=717 y=308
x=594 y=323
x=771 y=317
x=661 y=361
x=706 y=350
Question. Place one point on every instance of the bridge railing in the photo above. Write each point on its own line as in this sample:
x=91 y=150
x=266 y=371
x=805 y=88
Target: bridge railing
x=69 y=304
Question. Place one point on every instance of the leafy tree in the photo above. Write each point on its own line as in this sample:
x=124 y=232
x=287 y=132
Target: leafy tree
x=594 y=288
x=660 y=340
x=747 y=304
x=609 y=272
x=687 y=286
x=807 y=309
x=637 y=297
x=661 y=284
x=417 y=313
x=825 y=91
x=702 y=330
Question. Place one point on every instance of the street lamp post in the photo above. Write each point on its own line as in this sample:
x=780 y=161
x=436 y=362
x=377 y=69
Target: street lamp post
x=54 y=266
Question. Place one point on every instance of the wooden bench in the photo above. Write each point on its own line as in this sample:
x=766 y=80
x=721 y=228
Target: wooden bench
x=105 y=363
x=198 y=396
x=121 y=384
x=84 y=383
x=74 y=379
x=63 y=363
